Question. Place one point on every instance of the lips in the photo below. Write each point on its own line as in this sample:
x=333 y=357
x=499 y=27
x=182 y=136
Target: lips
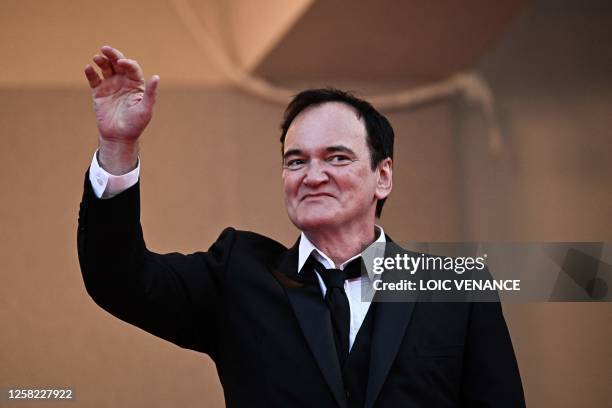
x=315 y=195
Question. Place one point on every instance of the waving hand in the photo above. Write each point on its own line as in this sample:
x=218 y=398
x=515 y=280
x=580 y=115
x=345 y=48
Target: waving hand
x=123 y=104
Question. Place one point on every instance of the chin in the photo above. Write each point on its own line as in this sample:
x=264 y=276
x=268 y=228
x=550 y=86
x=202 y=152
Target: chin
x=313 y=221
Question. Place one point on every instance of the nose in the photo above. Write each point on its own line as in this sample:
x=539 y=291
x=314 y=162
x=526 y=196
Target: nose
x=315 y=174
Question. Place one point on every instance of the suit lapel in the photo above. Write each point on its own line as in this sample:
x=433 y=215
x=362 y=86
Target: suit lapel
x=313 y=316
x=390 y=322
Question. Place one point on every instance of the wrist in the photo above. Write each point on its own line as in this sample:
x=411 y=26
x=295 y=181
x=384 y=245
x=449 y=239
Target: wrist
x=118 y=157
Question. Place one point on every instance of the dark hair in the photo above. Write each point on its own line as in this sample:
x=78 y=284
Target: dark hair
x=379 y=133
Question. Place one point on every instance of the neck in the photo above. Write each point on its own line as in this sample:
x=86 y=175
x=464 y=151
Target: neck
x=341 y=244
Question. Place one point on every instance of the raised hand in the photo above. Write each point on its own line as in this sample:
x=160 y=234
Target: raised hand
x=123 y=105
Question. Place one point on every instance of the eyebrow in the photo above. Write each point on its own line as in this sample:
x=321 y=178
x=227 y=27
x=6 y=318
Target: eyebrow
x=330 y=149
x=339 y=148
x=292 y=152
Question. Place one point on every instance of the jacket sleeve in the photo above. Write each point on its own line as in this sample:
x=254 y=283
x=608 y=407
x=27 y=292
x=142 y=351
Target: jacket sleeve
x=173 y=296
x=491 y=376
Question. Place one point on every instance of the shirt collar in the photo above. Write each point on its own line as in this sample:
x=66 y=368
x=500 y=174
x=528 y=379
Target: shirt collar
x=306 y=248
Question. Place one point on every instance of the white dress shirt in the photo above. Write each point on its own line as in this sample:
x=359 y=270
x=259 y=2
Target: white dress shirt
x=352 y=287
x=106 y=185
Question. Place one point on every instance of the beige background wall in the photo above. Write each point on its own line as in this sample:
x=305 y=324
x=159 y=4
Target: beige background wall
x=211 y=159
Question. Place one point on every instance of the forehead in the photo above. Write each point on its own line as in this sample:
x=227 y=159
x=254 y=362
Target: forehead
x=328 y=124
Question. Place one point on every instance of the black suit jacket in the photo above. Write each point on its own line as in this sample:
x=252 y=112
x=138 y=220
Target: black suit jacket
x=270 y=335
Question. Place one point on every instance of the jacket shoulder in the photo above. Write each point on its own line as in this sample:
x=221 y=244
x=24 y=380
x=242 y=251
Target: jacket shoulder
x=252 y=245
x=255 y=243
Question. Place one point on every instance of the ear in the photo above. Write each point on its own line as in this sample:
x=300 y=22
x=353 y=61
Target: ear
x=384 y=182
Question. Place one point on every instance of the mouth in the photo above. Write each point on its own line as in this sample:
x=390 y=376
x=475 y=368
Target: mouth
x=315 y=195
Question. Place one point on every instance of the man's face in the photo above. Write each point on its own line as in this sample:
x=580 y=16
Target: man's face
x=327 y=174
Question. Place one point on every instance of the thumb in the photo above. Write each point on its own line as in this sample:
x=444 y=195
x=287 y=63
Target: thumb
x=150 y=92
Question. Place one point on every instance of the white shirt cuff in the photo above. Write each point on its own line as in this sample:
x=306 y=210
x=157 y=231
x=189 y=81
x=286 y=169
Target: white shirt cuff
x=106 y=185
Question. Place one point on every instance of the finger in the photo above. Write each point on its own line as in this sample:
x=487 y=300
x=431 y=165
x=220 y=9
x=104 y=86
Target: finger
x=113 y=55
x=92 y=76
x=105 y=65
x=131 y=68
x=150 y=93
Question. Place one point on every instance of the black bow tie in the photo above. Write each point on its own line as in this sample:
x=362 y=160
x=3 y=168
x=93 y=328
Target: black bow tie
x=337 y=302
x=334 y=278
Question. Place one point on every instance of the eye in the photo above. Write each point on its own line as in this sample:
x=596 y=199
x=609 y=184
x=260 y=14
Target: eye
x=294 y=164
x=339 y=159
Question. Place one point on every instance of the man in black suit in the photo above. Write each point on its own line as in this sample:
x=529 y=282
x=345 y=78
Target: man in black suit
x=286 y=327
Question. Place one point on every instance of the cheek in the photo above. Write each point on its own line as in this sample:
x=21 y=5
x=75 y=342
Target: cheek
x=357 y=183
x=354 y=180
x=291 y=184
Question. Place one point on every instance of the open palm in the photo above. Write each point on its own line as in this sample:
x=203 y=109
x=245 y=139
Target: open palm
x=123 y=103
